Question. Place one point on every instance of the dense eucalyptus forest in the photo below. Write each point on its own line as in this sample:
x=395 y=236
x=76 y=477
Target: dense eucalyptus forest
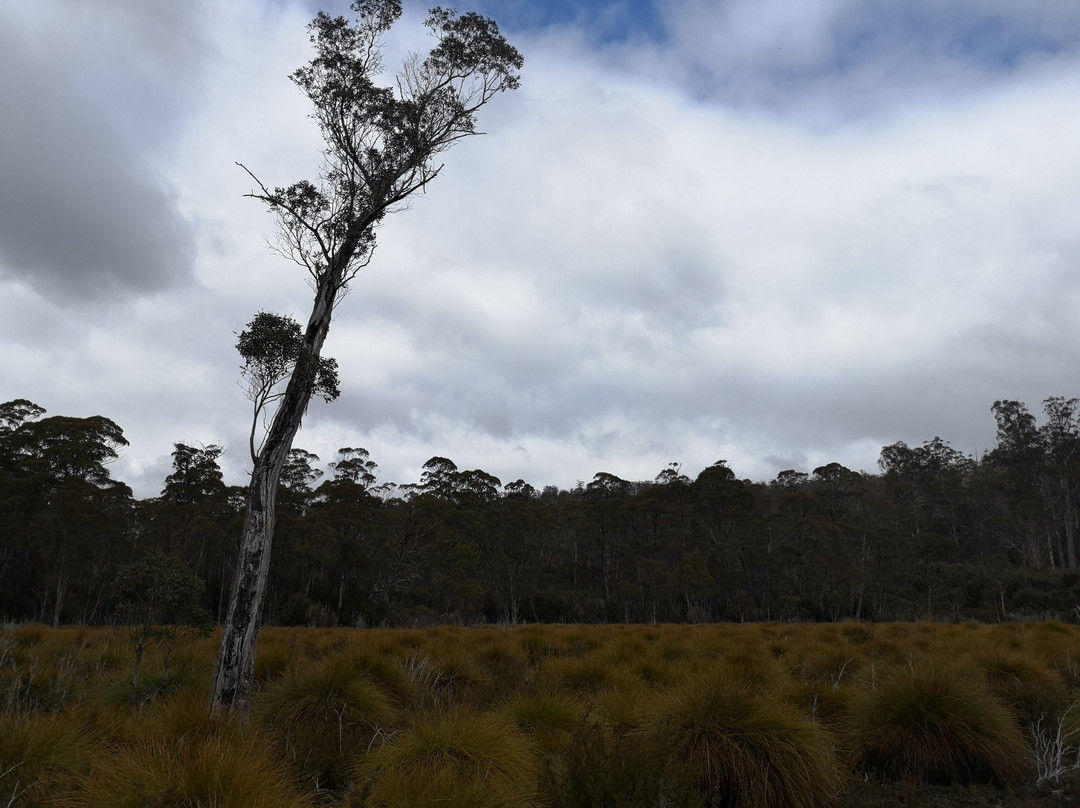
x=934 y=535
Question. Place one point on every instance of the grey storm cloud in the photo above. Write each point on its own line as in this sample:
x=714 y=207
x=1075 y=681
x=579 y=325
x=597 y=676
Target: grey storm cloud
x=779 y=232
x=83 y=214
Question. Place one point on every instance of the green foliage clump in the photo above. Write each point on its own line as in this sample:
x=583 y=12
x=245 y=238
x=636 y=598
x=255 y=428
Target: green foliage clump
x=162 y=602
x=161 y=589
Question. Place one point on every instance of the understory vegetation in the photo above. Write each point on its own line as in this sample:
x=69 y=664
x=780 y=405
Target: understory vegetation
x=556 y=716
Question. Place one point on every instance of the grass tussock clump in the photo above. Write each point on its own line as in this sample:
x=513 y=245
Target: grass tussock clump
x=607 y=766
x=744 y=748
x=587 y=674
x=207 y=772
x=276 y=654
x=548 y=716
x=502 y=660
x=623 y=708
x=321 y=715
x=554 y=716
x=939 y=726
x=187 y=714
x=1034 y=690
x=39 y=754
x=455 y=759
x=446 y=670
x=827 y=705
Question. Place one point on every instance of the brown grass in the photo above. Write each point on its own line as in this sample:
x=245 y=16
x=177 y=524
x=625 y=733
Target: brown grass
x=616 y=715
x=939 y=725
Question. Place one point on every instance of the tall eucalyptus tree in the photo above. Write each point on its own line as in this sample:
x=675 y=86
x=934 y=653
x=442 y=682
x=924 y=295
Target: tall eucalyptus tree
x=381 y=146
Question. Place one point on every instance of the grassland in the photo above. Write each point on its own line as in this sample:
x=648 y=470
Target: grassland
x=762 y=715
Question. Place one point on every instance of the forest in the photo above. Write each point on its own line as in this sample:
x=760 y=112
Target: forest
x=934 y=535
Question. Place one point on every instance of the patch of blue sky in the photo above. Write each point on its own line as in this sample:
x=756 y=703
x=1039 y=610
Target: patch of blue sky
x=863 y=59
x=604 y=21
x=990 y=37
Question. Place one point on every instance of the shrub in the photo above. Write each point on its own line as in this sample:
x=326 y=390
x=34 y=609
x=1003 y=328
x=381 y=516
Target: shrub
x=454 y=759
x=939 y=726
x=161 y=601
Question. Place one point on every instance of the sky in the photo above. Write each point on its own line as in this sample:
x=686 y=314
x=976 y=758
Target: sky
x=780 y=233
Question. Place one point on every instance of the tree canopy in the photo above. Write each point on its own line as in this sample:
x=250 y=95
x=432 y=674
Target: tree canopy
x=934 y=534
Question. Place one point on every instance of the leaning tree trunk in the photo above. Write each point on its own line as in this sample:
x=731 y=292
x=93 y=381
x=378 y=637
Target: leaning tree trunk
x=234 y=672
x=380 y=144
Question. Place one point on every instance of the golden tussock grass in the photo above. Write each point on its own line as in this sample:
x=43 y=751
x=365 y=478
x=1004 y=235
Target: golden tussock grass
x=457 y=758
x=322 y=715
x=585 y=675
x=549 y=717
x=940 y=725
x=40 y=755
x=626 y=715
x=203 y=771
x=744 y=747
x=1026 y=683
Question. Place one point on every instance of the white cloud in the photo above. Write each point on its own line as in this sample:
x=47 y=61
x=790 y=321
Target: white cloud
x=626 y=271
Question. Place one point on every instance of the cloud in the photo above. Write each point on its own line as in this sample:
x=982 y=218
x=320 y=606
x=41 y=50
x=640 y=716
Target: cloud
x=85 y=213
x=782 y=234
x=620 y=254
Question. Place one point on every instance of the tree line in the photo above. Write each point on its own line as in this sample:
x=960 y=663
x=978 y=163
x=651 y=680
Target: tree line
x=935 y=534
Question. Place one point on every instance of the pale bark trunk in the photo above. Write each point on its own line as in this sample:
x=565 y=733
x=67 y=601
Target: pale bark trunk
x=61 y=590
x=234 y=672
x=1070 y=526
